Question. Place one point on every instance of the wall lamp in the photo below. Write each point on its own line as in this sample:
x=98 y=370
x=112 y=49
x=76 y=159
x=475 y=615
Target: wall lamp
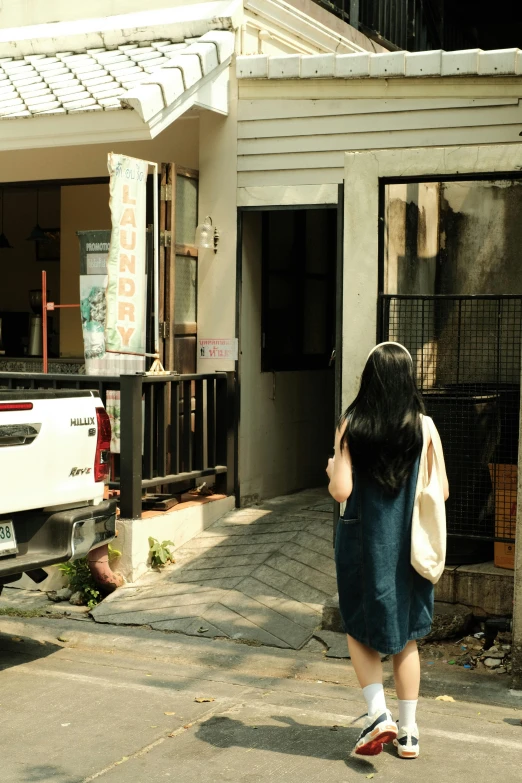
x=207 y=235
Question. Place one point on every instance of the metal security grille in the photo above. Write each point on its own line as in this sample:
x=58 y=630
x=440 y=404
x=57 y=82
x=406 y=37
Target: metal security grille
x=466 y=352
x=414 y=25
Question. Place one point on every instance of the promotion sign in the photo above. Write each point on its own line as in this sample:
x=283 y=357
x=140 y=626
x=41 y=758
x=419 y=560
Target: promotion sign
x=126 y=286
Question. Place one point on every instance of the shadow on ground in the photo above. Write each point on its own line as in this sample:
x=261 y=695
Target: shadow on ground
x=286 y=735
x=16 y=650
x=42 y=773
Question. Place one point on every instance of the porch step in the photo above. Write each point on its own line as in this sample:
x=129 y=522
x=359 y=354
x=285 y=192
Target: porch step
x=481 y=590
x=258 y=575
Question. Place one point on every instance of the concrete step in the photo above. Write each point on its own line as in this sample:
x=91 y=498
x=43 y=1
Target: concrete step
x=449 y=620
x=481 y=590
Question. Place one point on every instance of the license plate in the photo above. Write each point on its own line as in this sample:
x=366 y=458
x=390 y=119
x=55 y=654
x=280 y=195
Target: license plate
x=8 y=544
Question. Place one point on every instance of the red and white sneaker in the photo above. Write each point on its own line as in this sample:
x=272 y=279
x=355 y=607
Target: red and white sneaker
x=378 y=730
x=407 y=742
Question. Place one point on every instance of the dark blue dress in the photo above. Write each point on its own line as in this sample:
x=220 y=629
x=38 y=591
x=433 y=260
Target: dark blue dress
x=384 y=602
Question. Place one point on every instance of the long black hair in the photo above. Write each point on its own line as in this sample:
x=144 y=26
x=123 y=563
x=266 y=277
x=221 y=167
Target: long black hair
x=384 y=429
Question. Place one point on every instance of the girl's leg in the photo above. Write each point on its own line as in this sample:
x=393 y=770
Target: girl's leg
x=366 y=662
x=368 y=668
x=379 y=727
x=406 y=670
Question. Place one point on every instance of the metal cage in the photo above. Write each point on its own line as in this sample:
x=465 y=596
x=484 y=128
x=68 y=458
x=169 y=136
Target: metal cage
x=466 y=354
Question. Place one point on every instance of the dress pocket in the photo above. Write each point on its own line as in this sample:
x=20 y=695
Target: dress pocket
x=348 y=543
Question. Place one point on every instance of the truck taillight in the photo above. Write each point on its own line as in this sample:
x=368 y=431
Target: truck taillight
x=16 y=406
x=103 y=445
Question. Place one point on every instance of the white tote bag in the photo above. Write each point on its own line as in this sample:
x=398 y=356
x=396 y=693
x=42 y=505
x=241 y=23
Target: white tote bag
x=428 y=532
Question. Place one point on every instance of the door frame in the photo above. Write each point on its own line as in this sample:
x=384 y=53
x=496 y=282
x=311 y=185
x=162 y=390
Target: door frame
x=241 y=210
x=366 y=174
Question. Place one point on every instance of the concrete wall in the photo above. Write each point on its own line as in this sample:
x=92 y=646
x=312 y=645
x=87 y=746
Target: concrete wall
x=287 y=418
x=456 y=238
x=411 y=238
x=217 y=198
x=482 y=237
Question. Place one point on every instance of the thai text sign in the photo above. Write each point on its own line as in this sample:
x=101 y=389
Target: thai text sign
x=126 y=287
x=219 y=348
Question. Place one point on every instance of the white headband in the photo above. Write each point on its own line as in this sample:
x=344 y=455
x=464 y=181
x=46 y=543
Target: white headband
x=389 y=342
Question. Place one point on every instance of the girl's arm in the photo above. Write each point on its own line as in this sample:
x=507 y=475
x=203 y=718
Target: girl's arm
x=339 y=470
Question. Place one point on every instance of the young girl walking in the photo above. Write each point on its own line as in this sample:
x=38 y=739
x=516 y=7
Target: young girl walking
x=385 y=604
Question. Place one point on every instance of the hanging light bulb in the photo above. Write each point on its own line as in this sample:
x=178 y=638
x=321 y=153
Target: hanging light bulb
x=37 y=234
x=207 y=235
x=4 y=242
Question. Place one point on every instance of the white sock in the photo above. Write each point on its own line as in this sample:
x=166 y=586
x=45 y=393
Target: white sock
x=407 y=713
x=375 y=699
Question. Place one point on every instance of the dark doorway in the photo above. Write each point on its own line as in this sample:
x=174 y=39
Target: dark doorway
x=288 y=259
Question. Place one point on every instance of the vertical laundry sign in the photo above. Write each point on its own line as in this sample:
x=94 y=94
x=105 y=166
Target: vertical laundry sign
x=126 y=286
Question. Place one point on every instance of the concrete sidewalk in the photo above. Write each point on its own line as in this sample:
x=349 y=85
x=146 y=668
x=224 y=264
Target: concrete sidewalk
x=84 y=703
x=259 y=574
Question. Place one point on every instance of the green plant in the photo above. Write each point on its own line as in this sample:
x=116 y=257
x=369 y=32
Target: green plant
x=160 y=554
x=79 y=579
x=114 y=554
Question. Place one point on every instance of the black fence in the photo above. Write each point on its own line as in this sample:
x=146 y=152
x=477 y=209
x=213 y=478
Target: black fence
x=174 y=429
x=414 y=25
x=467 y=358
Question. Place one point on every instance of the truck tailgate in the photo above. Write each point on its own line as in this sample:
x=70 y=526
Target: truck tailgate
x=47 y=452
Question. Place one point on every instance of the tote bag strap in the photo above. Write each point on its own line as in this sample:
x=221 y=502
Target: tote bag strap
x=423 y=470
x=435 y=451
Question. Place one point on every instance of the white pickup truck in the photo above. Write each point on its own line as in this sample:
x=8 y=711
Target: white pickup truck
x=54 y=448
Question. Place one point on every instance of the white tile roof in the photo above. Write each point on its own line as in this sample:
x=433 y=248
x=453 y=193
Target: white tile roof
x=106 y=79
x=469 y=62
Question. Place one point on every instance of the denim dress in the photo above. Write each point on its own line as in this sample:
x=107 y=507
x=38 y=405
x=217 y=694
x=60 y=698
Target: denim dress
x=384 y=602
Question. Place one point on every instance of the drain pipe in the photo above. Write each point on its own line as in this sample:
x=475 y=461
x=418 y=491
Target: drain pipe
x=105 y=578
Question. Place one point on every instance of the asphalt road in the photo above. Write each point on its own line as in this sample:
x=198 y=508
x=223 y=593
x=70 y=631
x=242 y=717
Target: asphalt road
x=81 y=703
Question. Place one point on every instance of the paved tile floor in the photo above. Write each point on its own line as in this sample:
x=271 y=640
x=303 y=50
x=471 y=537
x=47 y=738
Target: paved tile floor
x=259 y=574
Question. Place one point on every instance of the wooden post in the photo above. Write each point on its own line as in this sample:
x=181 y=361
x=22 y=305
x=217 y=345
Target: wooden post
x=225 y=433
x=131 y=446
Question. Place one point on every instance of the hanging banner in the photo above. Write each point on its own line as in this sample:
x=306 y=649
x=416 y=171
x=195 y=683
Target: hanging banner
x=94 y=251
x=126 y=286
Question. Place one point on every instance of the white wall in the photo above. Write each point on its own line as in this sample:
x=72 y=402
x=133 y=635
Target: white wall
x=217 y=198
x=178 y=143
x=18 y=13
x=295 y=133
